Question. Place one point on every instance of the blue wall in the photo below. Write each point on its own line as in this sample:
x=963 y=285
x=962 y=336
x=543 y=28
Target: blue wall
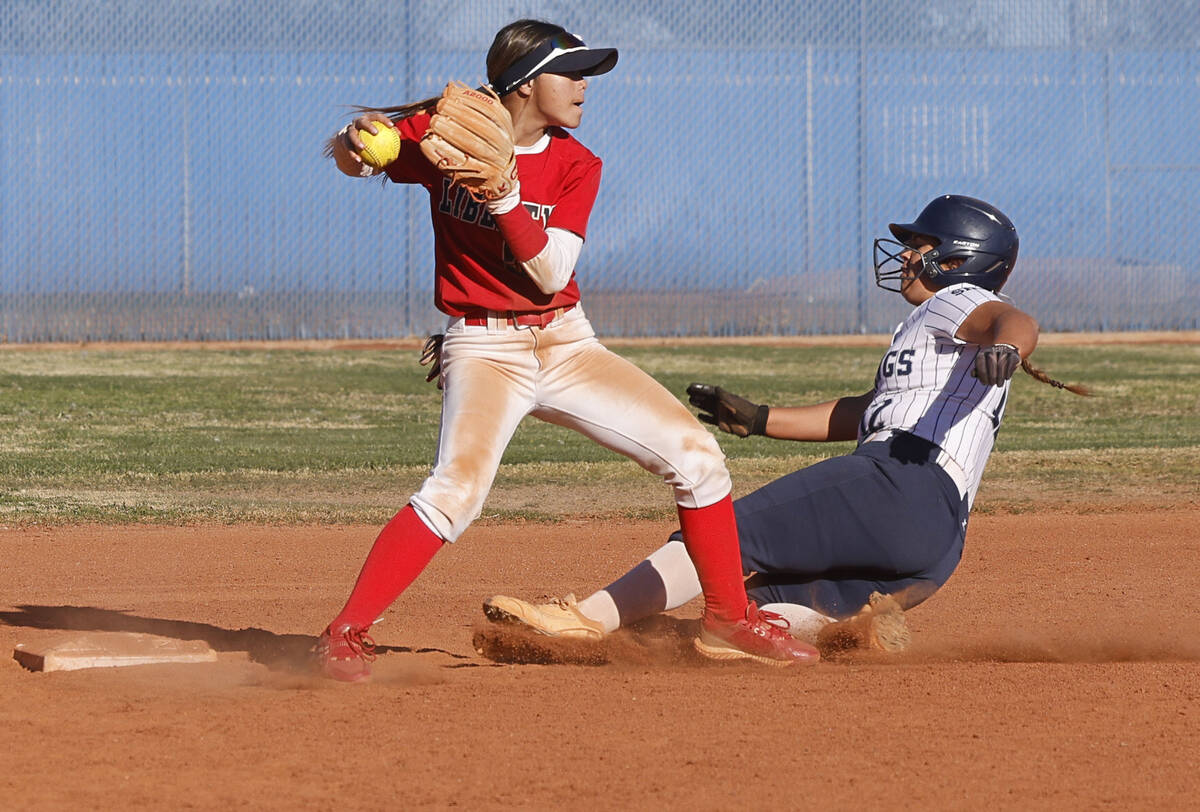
x=149 y=191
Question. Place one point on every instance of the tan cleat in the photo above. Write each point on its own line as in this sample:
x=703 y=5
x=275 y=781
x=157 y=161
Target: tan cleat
x=561 y=618
x=879 y=626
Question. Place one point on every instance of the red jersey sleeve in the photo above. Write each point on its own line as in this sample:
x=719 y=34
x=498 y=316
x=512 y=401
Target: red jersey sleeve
x=475 y=269
x=412 y=166
x=580 y=185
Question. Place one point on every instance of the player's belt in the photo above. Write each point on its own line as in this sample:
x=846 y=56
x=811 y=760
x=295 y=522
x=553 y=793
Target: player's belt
x=942 y=459
x=535 y=318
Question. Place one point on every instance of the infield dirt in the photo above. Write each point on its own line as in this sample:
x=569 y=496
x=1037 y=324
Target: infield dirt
x=1059 y=668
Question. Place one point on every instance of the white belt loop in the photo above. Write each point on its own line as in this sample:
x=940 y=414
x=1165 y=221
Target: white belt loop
x=878 y=437
x=955 y=471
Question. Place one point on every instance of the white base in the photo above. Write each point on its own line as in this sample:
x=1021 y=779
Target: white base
x=803 y=623
x=111 y=650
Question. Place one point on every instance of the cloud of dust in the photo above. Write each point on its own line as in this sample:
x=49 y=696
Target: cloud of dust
x=1162 y=642
x=666 y=641
x=661 y=641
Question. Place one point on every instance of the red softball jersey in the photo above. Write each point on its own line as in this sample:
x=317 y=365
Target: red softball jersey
x=474 y=269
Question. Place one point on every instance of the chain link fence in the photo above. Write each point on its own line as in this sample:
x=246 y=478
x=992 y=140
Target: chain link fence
x=161 y=174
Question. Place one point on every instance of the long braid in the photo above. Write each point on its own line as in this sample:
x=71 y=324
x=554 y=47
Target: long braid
x=1038 y=375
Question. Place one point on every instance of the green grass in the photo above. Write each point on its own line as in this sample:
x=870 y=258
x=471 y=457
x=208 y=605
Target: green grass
x=198 y=435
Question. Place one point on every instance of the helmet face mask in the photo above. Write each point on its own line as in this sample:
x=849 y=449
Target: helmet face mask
x=976 y=234
x=890 y=264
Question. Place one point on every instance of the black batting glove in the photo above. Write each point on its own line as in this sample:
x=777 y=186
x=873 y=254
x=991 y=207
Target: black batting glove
x=727 y=411
x=996 y=364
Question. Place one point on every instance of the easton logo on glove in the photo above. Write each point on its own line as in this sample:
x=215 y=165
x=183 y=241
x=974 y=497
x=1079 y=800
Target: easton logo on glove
x=470 y=139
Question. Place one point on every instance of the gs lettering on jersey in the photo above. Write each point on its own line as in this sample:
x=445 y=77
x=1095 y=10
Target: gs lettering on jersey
x=897 y=363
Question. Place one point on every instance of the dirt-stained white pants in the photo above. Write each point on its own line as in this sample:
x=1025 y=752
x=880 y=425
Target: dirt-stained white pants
x=496 y=374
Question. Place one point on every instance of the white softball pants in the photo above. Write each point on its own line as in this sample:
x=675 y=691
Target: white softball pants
x=496 y=374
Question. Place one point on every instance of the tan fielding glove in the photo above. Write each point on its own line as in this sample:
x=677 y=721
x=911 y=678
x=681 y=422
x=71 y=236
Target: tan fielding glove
x=470 y=139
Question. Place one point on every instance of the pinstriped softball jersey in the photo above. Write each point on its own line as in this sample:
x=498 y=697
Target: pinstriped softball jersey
x=924 y=385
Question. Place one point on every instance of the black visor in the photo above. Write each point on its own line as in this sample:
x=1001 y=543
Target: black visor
x=561 y=54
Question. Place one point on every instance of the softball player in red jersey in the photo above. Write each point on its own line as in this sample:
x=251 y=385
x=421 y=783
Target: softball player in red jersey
x=858 y=538
x=518 y=343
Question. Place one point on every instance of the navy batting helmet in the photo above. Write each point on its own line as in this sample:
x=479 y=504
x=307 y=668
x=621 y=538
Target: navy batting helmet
x=961 y=228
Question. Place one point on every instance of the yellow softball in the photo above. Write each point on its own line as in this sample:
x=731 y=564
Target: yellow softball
x=380 y=149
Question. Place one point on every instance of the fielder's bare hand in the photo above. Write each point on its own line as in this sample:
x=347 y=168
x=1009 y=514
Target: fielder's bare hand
x=371 y=122
x=345 y=147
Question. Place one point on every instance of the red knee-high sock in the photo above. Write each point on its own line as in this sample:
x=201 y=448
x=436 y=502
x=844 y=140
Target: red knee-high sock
x=403 y=548
x=710 y=535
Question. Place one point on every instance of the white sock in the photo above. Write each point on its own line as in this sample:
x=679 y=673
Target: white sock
x=667 y=576
x=803 y=623
x=599 y=606
x=677 y=571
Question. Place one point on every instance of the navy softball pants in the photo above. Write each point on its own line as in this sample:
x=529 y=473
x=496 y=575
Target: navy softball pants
x=885 y=518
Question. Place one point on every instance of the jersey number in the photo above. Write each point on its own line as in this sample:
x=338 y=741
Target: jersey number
x=870 y=422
